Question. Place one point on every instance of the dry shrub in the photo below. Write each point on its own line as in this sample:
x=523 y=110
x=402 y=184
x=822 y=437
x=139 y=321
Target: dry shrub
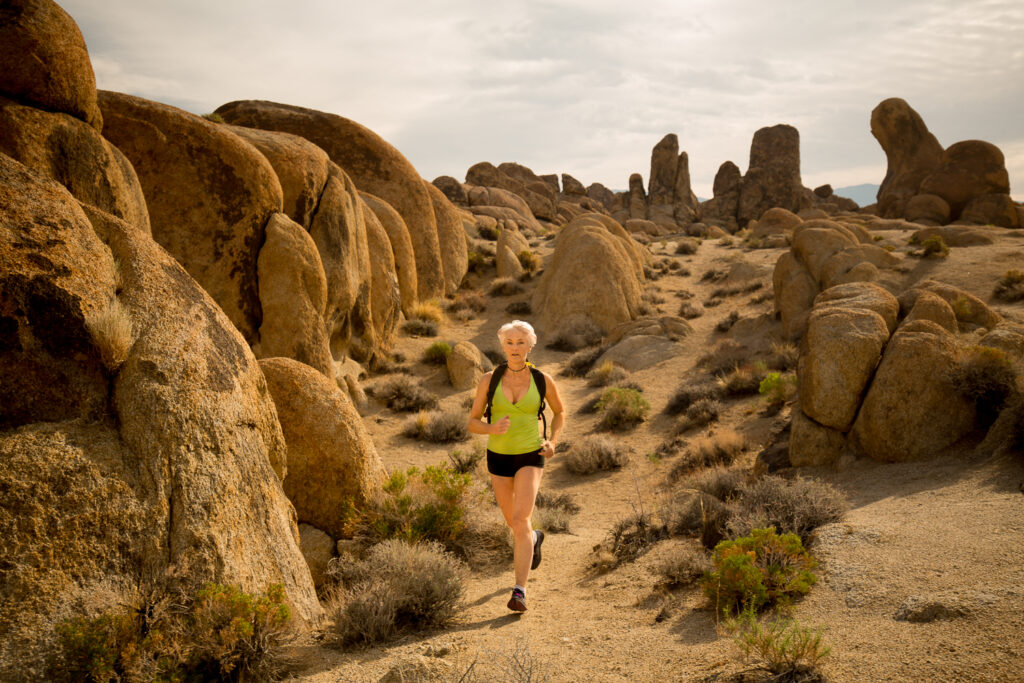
x=465 y=462
x=743 y=380
x=684 y=294
x=726 y=323
x=399 y=587
x=783 y=356
x=685 y=247
x=797 y=506
x=519 y=308
x=504 y=286
x=428 y=310
x=674 y=265
x=934 y=247
x=718 y=481
x=606 y=373
x=438 y=426
x=560 y=501
x=634 y=535
x=700 y=414
x=714 y=274
x=687 y=395
x=595 y=453
x=700 y=515
x=553 y=520
x=528 y=260
x=488 y=232
x=579 y=363
x=710 y=450
x=479 y=262
x=690 y=310
x=416 y=327
x=725 y=356
x=1010 y=286
x=580 y=335
x=437 y=353
x=468 y=301
x=402 y=394
x=622 y=409
x=986 y=377
x=112 y=334
x=680 y=566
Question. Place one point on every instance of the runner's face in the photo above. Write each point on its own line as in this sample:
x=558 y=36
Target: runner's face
x=516 y=346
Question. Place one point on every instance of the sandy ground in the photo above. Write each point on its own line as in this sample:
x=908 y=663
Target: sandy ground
x=949 y=526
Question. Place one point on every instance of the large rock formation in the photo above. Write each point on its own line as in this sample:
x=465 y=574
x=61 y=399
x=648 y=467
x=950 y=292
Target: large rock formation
x=332 y=462
x=671 y=201
x=451 y=239
x=966 y=170
x=401 y=248
x=137 y=438
x=594 y=277
x=773 y=176
x=209 y=195
x=46 y=65
x=519 y=180
x=725 y=203
x=911 y=151
x=385 y=294
x=373 y=165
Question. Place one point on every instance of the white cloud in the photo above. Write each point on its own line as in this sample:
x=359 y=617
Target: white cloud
x=585 y=86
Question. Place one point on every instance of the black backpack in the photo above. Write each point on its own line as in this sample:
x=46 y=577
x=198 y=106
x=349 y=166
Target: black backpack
x=538 y=379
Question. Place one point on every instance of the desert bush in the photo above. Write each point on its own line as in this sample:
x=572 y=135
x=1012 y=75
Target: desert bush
x=479 y=262
x=782 y=647
x=797 y=506
x=690 y=310
x=714 y=274
x=783 y=356
x=685 y=294
x=724 y=356
x=528 y=260
x=488 y=232
x=681 y=566
x=777 y=388
x=438 y=426
x=559 y=501
x=595 y=453
x=687 y=395
x=419 y=328
x=733 y=290
x=576 y=337
x=713 y=302
x=700 y=414
x=761 y=297
x=758 y=571
x=437 y=353
x=399 y=587
x=710 y=450
x=685 y=247
x=675 y=265
x=934 y=247
x=743 y=380
x=400 y=393
x=700 y=515
x=986 y=377
x=726 y=323
x=519 y=308
x=112 y=333
x=634 y=535
x=504 y=286
x=465 y=462
x=606 y=373
x=1010 y=286
x=579 y=363
x=622 y=408
x=220 y=633
x=428 y=310
x=553 y=520
x=718 y=481
x=468 y=301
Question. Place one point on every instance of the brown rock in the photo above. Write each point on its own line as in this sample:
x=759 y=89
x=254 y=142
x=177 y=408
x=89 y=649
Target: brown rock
x=727 y=190
x=45 y=62
x=637 y=197
x=317 y=549
x=520 y=180
x=662 y=181
x=385 y=295
x=331 y=459
x=571 y=186
x=911 y=151
x=401 y=248
x=466 y=365
x=968 y=169
x=507 y=262
x=600 y=193
x=776 y=221
x=992 y=209
x=823 y=191
x=639 y=351
x=687 y=208
x=929 y=306
x=955 y=236
x=863 y=295
x=640 y=225
x=842 y=346
x=293 y=296
x=73 y=153
x=452 y=189
x=209 y=195
x=451 y=239
x=968 y=308
x=815 y=246
x=497 y=197
x=551 y=180
x=374 y=166
x=795 y=290
x=911 y=410
x=839 y=266
x=301 y=167
x=811 y=444
x=927 y=208
x=773 y=176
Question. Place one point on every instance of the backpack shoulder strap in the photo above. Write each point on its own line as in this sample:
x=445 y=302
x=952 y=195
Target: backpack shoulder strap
x=496 y=374
x=542 y=385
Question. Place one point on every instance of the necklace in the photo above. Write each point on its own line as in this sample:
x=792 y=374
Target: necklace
x=519 y=370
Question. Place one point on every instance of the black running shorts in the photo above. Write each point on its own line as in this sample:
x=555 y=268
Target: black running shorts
x=501 y=465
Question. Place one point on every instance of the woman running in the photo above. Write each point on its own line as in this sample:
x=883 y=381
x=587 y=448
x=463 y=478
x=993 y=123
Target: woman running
x=516 y=450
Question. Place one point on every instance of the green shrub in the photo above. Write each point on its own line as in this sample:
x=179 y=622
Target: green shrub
x=797 y=506
x=528 y=260
x=214 y=117
x=934 y=247
x=437 y=353
x=595 y=453
x=399 y=587
x=478 y=262
x=1010 y=286
x=622 y=408
x=758 y=571
x=781 y=646
x=401 y=394
x=777 y=388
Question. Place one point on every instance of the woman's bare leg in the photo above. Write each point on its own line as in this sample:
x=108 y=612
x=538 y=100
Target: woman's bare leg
x=516 y=498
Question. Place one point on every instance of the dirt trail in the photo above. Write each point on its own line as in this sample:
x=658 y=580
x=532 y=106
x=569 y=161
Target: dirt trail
x=952 y=525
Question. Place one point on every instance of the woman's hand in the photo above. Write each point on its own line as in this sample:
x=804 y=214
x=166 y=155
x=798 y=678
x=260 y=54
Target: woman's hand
x=547 y=449
x=501 y=426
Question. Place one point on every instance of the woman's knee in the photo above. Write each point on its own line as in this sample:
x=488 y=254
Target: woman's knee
x=521 y=524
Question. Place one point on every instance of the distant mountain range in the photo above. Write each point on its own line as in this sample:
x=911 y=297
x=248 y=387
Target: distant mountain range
x=863 y=194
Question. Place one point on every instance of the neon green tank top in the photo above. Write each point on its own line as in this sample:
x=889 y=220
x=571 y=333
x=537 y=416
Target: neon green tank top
x=522 y=435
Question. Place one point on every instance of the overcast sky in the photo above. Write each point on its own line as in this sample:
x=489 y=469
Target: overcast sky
x=587 y=87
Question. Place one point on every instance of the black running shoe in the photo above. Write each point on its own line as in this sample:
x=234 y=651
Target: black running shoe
x=517 y=603
x=536 y=549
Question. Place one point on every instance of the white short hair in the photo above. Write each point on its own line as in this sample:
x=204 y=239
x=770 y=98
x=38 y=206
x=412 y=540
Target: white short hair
x=520 y=325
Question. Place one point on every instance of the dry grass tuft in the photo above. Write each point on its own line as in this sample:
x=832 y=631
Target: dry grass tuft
x=1010 y=286
x=743 y=380
x=700 y=414
x=112 y=334
x=595 y=453
x=719 y=481
x=606 y=373
x=468 y=301
x=428 y=310
x=579 y=363
x=419 y=328
x=700 y=515
x=687 y=395
x=632 y=536
x=401 y=394
x=504 y=286
x=437 y=427
x=690 y=310
x=711 y=450
x=680 y=566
